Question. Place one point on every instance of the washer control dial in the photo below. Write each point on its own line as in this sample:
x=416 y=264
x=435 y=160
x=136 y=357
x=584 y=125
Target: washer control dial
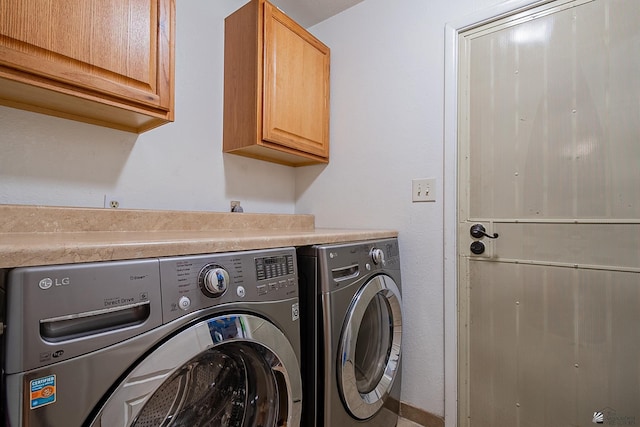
x=377 y=256
x=214 y=280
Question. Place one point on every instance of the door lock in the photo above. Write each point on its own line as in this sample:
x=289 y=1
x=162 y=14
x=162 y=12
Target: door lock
x=477 y=247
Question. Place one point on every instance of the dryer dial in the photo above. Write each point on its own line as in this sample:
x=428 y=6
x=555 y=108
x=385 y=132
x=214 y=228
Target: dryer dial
x=214 y=280
x=377 y=256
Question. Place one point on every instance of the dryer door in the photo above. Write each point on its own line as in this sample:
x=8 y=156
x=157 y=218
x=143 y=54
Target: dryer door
x=237 y=370
x=370 y=346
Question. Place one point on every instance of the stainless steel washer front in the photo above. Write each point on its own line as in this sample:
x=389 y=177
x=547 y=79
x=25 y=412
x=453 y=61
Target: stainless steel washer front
x=184 y=341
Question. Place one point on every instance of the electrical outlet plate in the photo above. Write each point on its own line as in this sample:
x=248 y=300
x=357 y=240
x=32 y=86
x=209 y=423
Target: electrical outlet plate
x=112 y=201
x=423 y=190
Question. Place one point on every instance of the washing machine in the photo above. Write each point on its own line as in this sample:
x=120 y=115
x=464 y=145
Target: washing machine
x=351 y=308
x=207 y=340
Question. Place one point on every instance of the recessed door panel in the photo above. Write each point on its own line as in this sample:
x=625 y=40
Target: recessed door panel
x=553 y=115
x=550 y=346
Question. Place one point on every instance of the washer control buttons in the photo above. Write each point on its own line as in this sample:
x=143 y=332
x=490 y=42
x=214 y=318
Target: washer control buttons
x=214 y=280
x=377 y=256
x=240 y=291
x=184 y=303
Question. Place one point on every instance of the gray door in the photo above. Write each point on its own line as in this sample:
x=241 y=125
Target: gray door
x=549 y=159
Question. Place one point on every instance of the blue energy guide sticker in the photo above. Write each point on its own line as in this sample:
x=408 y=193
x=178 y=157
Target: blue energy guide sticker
x=43 y=391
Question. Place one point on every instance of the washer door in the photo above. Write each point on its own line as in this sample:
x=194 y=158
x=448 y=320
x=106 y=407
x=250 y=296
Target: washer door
x=370 y=347
x=237 y=370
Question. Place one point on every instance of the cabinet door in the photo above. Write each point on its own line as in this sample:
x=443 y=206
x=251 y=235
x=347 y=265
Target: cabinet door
x=114 y=51
x=296 y=86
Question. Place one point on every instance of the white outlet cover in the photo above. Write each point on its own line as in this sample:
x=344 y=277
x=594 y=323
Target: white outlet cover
x=112 y=198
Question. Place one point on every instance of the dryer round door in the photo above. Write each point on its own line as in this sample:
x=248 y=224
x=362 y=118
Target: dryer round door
x=237 y=371
x=369 y=353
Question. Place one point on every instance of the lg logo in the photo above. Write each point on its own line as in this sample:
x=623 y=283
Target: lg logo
x=47 y=282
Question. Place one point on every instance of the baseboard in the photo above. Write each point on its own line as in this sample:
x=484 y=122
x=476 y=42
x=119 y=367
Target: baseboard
x=420 y=416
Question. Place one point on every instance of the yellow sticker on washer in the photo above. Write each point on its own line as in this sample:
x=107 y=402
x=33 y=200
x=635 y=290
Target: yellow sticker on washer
x=43 y=391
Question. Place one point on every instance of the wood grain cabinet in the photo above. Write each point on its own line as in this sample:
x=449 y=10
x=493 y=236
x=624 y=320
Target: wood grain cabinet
x=276 y=88
x=106 y=62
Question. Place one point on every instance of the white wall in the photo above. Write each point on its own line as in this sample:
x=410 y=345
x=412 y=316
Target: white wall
x=51 y=161
x=387 y=77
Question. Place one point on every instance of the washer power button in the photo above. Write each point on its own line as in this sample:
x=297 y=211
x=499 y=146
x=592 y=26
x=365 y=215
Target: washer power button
x=184 y=303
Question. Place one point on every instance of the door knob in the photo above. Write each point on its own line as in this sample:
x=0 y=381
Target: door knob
x=477 y=247
x=478 y=231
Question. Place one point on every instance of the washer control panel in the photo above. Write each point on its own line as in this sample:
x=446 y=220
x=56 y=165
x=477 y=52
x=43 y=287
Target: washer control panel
x=191 y=283
x=275 y=273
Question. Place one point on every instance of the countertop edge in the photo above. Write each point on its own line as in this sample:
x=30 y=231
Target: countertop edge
x=52 y=235
x=34 y=249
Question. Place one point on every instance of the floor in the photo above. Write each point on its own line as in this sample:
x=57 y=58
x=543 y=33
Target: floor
x=402 y=422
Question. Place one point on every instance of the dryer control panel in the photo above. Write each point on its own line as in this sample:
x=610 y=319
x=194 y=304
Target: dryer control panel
x=349 y=262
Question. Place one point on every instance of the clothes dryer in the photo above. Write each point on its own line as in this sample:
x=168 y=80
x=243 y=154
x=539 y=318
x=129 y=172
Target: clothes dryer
x=351 y=308
x=208 y=340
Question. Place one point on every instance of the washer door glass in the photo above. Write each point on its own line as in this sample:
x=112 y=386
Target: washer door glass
x=236 y=371
x=231 y=385
x=370 y=347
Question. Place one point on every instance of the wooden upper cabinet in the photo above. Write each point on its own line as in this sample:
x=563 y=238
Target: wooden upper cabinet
x=276 y=88
x=106 y=62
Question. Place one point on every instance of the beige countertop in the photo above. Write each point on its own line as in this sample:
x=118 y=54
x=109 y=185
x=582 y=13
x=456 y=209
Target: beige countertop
x=44 y=235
